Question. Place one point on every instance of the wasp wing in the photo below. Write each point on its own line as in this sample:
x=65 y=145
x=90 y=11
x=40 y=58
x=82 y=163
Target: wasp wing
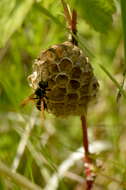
x=27 y=100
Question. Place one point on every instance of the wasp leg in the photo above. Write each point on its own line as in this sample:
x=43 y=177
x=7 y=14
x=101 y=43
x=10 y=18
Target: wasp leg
x=42 y=109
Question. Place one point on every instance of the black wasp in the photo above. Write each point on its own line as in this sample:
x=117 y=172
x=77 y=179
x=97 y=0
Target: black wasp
x=39 y=95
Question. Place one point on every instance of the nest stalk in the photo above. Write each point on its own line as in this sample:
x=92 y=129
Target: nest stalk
x=88 y=164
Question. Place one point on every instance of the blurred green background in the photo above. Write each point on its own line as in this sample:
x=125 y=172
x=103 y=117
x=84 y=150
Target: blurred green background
x=27 y=27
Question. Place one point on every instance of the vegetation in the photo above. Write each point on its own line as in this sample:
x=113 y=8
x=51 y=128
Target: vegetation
x=42 y=152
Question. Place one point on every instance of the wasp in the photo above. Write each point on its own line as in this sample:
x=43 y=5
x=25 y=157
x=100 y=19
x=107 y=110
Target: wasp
x=39 y=96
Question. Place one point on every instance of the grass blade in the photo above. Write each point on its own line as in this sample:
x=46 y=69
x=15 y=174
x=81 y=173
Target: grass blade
x=14 y=20
x=48 y=14
x=113 y=80
x=123 y=11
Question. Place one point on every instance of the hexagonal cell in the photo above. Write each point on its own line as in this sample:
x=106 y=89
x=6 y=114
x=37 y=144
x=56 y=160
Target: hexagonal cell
x=88 y=67
x=74 y=58
x=61 y=80
x=59 y=51
x=76 y=72
x=84 y=90
x=86 y=76
x=84 y=100
x=57 y=94
x=37 y=64
x=94 y=85
x=82 y=59
x=51 y=83
x=72 y=98
x=65 y=65
x=82 y=107
x=74 y=84
x=44 y=71
x=67 y=46
x=56 y=108
x=50 y=54
x=93 y=97
x=75 y=51
x=71 y=109
x=53 y=68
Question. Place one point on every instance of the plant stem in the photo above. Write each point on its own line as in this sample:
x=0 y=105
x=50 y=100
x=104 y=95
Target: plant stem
x=85 y=136
x=74 y=27
x=90 y=176
x=123 y=14
x=71 y=18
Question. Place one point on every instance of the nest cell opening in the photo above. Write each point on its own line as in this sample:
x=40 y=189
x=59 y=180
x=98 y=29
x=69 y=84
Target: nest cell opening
x=65 y=65
x=61 y=80
x=57 y=94
x=53 y=68
x=74 y=84
x=76 y=72
x=72 y=98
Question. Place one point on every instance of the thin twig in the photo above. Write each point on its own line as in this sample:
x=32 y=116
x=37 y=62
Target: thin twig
x=17 y=178
x=67 y=13
x=23 y=142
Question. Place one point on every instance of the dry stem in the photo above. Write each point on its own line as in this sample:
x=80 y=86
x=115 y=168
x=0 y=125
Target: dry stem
x=71 y=18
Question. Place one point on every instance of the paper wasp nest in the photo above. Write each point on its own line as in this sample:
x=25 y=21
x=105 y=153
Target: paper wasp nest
x=70 y=79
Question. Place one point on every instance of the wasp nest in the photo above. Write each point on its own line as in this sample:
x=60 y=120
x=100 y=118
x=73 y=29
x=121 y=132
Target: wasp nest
x=70 y=79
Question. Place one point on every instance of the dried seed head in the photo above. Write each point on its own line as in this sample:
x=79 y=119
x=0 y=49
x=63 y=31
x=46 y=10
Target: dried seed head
x=70 y=79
